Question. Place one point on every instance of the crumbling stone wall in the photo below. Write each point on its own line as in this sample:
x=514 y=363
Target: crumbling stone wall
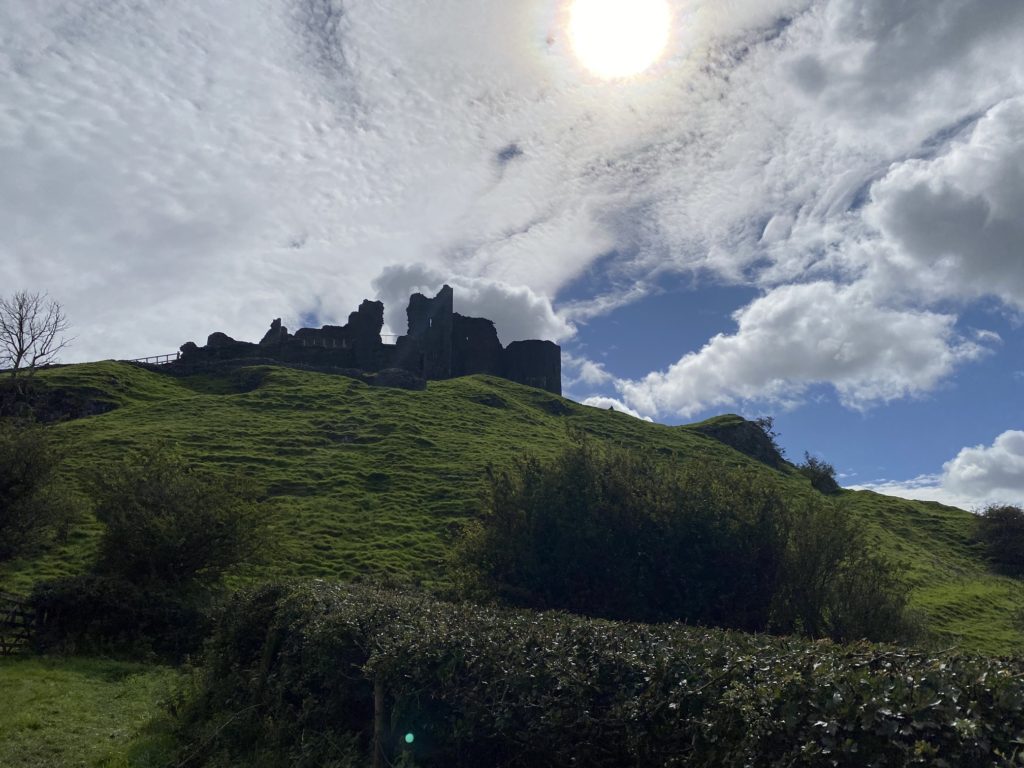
x=439 y=344
x=476 y=348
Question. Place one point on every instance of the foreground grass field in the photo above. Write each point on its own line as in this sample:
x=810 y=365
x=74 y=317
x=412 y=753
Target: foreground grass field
x=83 y=712
x=377 y=482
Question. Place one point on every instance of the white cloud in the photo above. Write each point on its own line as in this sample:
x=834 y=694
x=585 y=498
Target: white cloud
x=810 y=115
x=983 y=336
x=800 y=335
x=518 y=313
x=953 y=224
x=606 y=403
x=989 y=472
x=976 y=477
x=602 y=304
x=906 y=61
x=580 y=370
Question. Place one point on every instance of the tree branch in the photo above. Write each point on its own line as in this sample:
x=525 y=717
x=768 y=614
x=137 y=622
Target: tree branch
x=31 y=328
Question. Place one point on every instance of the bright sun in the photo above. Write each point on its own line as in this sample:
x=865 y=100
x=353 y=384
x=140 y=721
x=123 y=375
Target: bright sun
x=619 y=38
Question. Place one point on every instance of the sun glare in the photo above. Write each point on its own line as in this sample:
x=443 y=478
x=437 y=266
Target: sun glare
x=619 y=38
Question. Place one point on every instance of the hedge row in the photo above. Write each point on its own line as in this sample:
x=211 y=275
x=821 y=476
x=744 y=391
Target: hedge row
x=290 y=672
x=93 y=613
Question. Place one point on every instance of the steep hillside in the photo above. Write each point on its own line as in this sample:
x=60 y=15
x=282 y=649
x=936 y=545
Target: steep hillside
x=377 y=481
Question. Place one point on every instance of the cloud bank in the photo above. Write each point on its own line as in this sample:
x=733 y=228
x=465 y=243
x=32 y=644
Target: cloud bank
x=893 y=189
x=171 y=168
x=799 y=335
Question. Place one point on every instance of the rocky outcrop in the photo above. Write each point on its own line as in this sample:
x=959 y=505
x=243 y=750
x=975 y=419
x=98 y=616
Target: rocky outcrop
x=38 y=401
x=745 y=436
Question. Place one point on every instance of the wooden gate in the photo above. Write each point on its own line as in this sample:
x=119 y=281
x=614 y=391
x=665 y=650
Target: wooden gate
x=17 y=622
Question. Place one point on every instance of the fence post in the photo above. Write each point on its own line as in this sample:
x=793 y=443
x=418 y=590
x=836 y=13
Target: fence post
x=378 y=723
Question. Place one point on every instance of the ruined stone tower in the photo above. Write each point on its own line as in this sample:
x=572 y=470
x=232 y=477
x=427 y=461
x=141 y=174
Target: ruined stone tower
x=426 y=349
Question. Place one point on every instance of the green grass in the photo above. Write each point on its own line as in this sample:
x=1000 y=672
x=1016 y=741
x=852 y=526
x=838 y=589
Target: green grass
x=378 y=481
x=966 y=605
x=364 y=480
x=83 y=712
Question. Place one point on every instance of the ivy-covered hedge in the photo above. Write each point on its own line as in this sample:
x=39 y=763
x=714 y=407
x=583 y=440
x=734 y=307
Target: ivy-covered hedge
x=290 y=672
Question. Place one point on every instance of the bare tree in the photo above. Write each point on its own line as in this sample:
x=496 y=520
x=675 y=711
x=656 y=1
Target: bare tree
x=31 y=332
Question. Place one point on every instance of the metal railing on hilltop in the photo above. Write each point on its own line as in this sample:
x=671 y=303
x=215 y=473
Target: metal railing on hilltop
x=157 y=359
x=385 y=338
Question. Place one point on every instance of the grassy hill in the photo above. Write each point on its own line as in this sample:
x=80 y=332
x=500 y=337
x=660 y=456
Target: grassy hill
x=377 y=481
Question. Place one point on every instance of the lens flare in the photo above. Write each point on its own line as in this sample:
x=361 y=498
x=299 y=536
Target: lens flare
x=619 y=38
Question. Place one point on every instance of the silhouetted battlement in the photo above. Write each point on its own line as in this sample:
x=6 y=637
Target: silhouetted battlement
x=439 y=344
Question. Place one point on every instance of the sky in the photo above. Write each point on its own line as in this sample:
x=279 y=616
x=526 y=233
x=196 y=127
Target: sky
x=809 y=209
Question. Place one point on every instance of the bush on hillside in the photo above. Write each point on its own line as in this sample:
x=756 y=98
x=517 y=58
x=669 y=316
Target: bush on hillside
x=821 y=474
x=33 y=506
x=835 y=586
x=290 y=674
x=171 y=531
x=625 y=535
x=91 y=613
x=1000 y=529
x=169 y=524
x=767 y=426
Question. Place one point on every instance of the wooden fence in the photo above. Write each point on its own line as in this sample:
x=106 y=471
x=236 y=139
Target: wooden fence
x=17 y=622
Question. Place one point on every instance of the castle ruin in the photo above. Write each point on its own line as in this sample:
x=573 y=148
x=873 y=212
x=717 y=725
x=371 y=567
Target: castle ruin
x=439 y=344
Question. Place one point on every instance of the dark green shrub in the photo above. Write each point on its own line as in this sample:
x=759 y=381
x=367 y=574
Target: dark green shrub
x=1000 y=529
x=169 y=524
x=33 y=506
x=832 y=584
x=170 y=534
x=625 y=535
x=290 y=674
x=107 y=614
x=821 y=474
